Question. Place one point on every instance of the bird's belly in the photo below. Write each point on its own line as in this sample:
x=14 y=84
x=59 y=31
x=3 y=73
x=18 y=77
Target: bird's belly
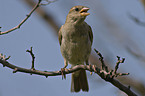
x=76 y=51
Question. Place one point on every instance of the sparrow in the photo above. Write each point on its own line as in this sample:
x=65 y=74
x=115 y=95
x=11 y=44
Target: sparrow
x=75 y=39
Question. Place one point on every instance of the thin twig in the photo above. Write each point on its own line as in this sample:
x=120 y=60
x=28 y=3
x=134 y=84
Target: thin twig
x=24 y=20
x=107 y=76
x=117 y=64
x=104 y=67
x=75 y=68
x=33 y=58
x=45 y=15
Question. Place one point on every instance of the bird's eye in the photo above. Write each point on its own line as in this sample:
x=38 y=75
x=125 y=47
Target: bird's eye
x=77 y=9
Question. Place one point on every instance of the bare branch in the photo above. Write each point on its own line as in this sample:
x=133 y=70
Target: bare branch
x=117 y=63
x=107 y=76
x=33 y=57
x=103 y=74
x=3 y=57
x=102 y=61
x=45 y=15
x=23 y=21
x=27 y=17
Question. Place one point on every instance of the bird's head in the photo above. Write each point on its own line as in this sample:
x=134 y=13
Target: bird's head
x=77 y=14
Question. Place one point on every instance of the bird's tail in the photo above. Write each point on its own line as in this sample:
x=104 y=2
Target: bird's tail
x=79 y=81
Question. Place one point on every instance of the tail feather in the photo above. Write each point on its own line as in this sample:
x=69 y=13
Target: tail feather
x=79 y=81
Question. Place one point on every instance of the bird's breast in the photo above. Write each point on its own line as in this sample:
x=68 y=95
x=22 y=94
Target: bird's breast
x=76 y=35
x=76 y=45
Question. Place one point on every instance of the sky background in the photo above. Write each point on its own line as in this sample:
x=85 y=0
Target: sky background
x=114 y=32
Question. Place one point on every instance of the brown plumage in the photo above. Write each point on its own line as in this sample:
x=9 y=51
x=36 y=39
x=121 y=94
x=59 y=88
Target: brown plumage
x=79 y=82
x=75 y=38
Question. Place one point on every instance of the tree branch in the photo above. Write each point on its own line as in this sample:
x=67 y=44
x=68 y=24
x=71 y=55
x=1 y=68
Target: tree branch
x=27 y=17
x=137 y=85
x=45 y=15
x=107 y=76
x=33 y=57
x=68 y=71
x=23 y=21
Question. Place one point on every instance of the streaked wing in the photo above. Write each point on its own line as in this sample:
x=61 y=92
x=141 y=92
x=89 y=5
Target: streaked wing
x=60 y=35
x=90 y=34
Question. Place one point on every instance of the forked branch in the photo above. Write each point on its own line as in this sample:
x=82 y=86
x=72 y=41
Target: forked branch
x=104 y=73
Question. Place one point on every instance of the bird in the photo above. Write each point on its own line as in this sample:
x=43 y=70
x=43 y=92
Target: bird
x=75 y=39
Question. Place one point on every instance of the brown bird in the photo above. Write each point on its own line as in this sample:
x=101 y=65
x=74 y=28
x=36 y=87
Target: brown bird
x=75 y=38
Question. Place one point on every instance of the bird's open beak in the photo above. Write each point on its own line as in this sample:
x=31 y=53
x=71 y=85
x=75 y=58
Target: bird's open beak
x=83 y=12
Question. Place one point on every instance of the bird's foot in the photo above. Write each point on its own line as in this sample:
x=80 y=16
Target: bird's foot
x=91 y=69
x=63 y=73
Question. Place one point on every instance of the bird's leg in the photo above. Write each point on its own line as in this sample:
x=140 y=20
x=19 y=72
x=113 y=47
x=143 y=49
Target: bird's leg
x=65 y=63
x=63 y=69
x=87 y=63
